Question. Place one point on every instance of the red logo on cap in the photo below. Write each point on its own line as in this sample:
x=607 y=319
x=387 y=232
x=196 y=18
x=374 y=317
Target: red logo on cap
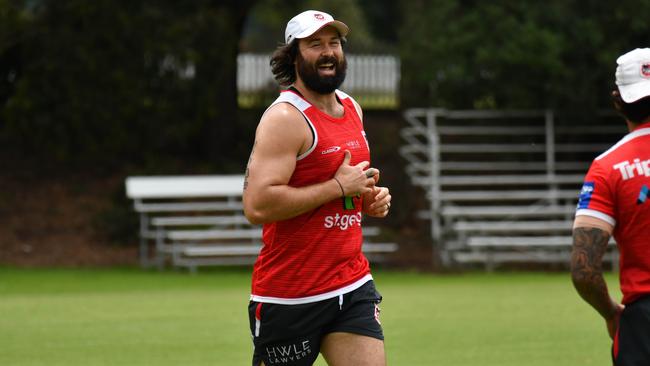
x=645 y=70
x=319 y=16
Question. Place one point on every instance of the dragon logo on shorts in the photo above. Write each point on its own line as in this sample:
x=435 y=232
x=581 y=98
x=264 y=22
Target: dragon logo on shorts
x=377 y=311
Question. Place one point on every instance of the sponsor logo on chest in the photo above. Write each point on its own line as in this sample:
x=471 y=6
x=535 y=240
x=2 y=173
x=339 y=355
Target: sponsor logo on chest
x=353 y=144
x=349 y=145
x=330 y=150
x=638 y=168
x=342 y=222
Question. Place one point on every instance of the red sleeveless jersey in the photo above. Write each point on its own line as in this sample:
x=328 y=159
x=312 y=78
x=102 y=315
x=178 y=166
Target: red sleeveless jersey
x=316 y=255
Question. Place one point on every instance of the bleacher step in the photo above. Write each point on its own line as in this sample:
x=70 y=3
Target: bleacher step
x=541 y=226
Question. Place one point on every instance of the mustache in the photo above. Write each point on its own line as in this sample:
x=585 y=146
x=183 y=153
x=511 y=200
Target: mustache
x=327 y=60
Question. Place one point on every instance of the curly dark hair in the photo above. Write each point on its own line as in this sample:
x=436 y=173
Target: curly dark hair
x=636 y=112
x=283 y=63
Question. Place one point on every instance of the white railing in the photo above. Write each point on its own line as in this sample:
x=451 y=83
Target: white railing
x=367 y=76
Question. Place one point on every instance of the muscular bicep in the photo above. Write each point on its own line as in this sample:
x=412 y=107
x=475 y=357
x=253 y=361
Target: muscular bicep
x=273 y=157
x=280 y=137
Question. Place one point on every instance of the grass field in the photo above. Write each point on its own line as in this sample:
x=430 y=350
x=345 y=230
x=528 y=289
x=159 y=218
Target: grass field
x=133 y=317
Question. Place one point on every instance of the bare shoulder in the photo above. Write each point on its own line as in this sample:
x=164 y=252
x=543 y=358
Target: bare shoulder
x=281 y=116
x=283 y=124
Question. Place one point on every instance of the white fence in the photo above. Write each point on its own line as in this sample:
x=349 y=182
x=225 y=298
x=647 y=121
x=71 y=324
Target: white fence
x=369 y=77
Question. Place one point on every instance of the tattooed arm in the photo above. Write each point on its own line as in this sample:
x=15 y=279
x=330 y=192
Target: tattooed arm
x=590 y=239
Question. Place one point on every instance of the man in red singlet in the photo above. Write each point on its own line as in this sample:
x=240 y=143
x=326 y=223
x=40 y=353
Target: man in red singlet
x=310 y=183
x=614 y=201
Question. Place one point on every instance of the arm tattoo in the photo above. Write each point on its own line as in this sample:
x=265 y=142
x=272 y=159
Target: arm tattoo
x=589 y=246
x=250 y=158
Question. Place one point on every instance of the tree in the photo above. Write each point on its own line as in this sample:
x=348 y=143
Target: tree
x=218 y=29
x=268 y=19
x=524 y=54
x=113 y=82
x=384 y=19
x=12 y=25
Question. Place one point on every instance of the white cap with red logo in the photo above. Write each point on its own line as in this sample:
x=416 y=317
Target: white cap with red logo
x=308 y=22
x=633 y=75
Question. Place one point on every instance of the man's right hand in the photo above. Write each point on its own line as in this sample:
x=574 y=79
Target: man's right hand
x=353 y=178
x=612 y=323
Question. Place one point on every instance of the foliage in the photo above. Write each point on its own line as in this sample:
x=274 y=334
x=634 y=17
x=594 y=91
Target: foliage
x=12 y=27
x=384 y=19
x=265 y=26
x=111 y=83
x=115 y=84
x=524 y=54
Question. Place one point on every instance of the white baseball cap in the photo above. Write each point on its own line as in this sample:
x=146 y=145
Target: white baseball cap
x=633 y=75
x=308 y=22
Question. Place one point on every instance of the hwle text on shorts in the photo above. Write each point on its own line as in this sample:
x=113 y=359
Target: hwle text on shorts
x=288 y=353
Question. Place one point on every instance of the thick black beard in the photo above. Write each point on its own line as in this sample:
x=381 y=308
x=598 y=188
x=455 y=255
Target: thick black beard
x=308 y=73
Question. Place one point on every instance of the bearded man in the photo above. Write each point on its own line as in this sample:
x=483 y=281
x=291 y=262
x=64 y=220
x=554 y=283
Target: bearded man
x=310 y=183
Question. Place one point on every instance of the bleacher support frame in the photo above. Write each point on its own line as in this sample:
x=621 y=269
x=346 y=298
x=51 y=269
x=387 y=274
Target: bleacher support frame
x=198 y=220
x=482 y=167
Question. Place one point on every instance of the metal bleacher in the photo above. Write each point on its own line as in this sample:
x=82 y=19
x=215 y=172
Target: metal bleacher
x=198 y=220
x=502 y=185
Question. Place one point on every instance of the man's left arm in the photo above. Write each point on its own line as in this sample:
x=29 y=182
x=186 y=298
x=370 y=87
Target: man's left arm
x=590 y=240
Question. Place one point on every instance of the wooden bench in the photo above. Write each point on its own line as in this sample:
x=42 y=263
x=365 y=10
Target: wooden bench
x=191 y=221
x=503 y=183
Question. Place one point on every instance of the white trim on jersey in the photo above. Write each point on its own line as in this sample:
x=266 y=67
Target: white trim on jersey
x=301 y=105
x=315 y=298
x=627 y=138
x=313 y=146
x=357 y=107
x=341 y=94
x=597 y=214
x=293 y=99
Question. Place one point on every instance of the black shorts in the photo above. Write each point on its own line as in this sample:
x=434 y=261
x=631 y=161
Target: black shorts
x=291 y=334
x=632 y=341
